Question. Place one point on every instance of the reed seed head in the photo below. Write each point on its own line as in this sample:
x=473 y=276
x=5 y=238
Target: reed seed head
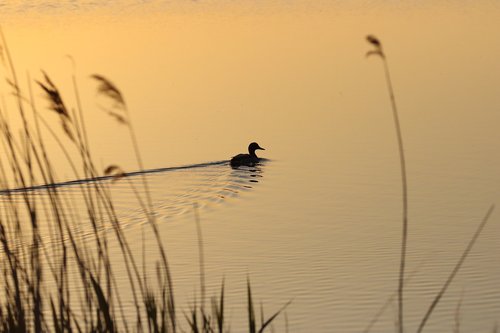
x=377 y=46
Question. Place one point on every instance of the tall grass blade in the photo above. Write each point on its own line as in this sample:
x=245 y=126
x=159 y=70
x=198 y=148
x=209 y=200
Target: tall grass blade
x=219 y=310
x=378 y=50
x=104 y=308
x=201 y=256
x=456 y=269
x=251 y=310
x=270 y=319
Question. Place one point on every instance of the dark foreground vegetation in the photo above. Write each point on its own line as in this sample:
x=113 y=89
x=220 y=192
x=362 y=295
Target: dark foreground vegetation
x=58 y=280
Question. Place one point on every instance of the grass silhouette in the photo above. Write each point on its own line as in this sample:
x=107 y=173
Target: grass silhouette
x=59 y=280
x=379 y=52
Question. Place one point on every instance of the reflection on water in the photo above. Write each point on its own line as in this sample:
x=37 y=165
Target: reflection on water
x=174 y=189
x=250 y=174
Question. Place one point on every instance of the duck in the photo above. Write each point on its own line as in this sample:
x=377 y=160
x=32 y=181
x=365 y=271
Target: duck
x=249 y=159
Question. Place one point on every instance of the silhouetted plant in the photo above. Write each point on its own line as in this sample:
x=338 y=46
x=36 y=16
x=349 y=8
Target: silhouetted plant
x=38 y=293
x=378 y=51
x=455 y=269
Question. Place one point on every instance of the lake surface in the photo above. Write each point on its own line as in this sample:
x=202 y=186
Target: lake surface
x=319 y=221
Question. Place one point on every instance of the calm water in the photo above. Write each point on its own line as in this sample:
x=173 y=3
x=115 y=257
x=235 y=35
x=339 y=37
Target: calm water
x=319 y=222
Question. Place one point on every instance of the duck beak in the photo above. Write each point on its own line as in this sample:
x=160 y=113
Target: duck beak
x=261 y=148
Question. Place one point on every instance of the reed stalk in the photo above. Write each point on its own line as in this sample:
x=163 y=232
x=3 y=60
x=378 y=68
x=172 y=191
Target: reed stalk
x=378 y=51
x=455 y=269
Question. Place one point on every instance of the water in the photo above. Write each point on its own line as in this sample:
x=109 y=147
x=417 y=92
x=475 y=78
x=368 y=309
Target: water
x=319 y=222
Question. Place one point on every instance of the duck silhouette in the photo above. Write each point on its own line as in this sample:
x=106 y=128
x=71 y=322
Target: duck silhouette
x=249 y=159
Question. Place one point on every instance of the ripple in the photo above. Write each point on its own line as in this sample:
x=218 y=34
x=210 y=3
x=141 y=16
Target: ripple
x=174 y=192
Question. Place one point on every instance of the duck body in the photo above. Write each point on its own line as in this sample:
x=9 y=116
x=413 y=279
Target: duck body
x=244 y=159
x=249 y=159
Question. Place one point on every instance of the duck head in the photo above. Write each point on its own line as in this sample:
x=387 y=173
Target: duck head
x=253 y=147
